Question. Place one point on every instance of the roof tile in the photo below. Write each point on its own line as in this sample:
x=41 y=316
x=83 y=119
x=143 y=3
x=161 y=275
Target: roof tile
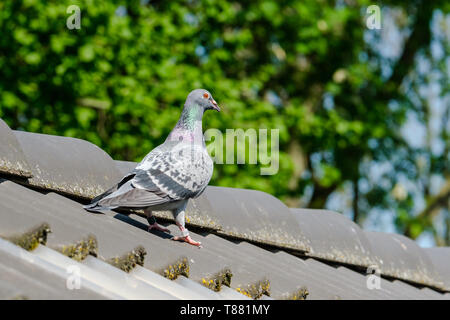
x=68 y=165
x=12 y=158
x=248 y=232
x=401 y=258
x=250 y=215
x=440 y=257
x=334 y=237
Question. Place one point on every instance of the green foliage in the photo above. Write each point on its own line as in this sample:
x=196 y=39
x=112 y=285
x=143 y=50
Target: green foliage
x=121 y=80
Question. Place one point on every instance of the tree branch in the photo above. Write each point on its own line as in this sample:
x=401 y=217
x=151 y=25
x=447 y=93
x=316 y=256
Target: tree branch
x=420 y=37
x=435 y=202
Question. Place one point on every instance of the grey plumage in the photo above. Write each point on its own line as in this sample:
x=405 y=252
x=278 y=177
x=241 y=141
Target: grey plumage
x=177 y=170
x=171 y=172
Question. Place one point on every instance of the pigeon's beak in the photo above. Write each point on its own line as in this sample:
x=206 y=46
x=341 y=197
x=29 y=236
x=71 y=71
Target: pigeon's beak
x=215 y=106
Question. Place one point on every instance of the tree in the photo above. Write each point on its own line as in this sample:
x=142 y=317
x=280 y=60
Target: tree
x=303 y=67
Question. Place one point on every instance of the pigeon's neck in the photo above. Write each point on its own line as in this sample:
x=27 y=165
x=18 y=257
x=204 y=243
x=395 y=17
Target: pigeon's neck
x=189 y=126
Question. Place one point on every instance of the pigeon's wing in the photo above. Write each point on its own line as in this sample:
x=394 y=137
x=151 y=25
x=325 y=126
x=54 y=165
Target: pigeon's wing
x=178 y=171
x=171 y=172
x=127 y=196
x=123 y=194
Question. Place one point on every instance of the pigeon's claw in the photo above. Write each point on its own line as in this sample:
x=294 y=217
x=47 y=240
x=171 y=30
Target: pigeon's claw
x=189 y=240
x=158 y=227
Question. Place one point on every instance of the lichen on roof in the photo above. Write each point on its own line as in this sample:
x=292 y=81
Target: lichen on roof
x=31 y=239
x=300 y=294
x=129 y=260
x=222 y=278
x=80 y=250
x=179 y=268
x=256 y=290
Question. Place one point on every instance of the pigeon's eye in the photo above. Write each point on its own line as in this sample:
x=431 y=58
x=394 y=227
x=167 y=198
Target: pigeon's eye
x=206 y=95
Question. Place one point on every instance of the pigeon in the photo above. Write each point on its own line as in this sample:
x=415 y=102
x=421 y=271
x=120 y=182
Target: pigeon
x=170 y=174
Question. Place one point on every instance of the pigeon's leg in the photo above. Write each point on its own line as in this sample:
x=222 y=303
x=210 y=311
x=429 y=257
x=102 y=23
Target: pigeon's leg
x=152 y=224
x=179 y=215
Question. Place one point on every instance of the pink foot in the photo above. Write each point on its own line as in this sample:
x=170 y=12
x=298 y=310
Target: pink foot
x=189 y=240
x=156 y=226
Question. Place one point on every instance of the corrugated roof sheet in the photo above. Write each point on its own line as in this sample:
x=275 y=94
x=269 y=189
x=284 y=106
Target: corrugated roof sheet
x=68 y=165
x=28 y=276
x=12 y=159
x=117 y=233
x=255 y=216
x=334 y=237
x=248 y=237
x=440 y=257
x=400 y=257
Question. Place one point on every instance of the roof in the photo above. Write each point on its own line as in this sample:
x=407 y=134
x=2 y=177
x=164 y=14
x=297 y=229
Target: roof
x=253 y=245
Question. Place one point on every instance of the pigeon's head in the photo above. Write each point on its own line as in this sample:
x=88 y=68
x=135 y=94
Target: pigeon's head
x=202 y=98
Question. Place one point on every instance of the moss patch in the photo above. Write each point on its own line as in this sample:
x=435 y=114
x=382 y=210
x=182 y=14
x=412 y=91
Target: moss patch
x=222 y=278
x=256 y=291
x=130 y=260
x=31 y=239
x=300 y=294
x=80 y=250
x=179 y=268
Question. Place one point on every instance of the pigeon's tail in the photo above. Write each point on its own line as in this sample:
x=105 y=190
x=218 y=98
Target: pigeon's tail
x=94 y=206
x=97 y=205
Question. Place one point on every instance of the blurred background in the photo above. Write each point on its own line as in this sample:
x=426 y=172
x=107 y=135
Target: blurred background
x=363 y=114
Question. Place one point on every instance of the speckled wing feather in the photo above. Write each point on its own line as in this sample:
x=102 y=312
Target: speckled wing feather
x=172 y=171
x=177 y=170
